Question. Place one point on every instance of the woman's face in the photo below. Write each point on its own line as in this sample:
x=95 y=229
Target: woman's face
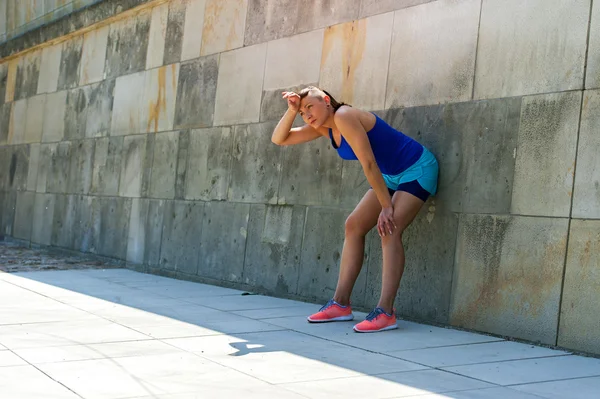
x=314 y=110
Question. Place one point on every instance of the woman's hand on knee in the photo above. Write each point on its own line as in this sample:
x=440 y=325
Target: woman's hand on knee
x=385 y=223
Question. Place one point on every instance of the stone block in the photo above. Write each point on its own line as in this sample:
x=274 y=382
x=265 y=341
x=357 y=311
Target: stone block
x=181 y=236
x=445 y=28
x=373 y=7
x=293 y=60
x=61 y=235
x=127 y=45
x=192 y=29
x=145 y=231
x=99 y=108
x=127 y=107
x=44 y=166
x=223 y=240
x=3 y=81
x=273 y=106
x=174 y=32
x=18 y=168
x=43 y=215
x=158 y=104
x=107 y=166
x=134 y=160
x=157 y=35
x=18 y=121
x=7 y=211
x=508 y=274
x=426 y=285
x=579 y=322
x=35 y=118
x=475 y=145
x=586 y=200
x=592 y=78
x=270 y=20
x=70 y=60
x=81 y=166
x=355 y=61
x=545 y=163
x=208 y=164
x=57 y=179
x=240 y=85
x=11 y=80
x=321 y=13
x=273 y=250
x=196 y=92
x=224 y=26
x=5 y=112
x=311 y=174
x=164 y=165
x=24 y=215
x=531 y=47
x=111 y=226
x=32 y=172
x=54 y=117
x=256 y=165
x=76 y=111
x=27 y=75
x=49 y=69
x=354 y=184
x=182 y=164
x=93 y=56
x=321 y=254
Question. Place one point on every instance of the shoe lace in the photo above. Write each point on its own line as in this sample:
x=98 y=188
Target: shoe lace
x=374 y=314
x=328 y=304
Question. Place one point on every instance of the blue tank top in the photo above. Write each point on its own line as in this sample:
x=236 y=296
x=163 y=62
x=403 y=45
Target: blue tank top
x=394 y=151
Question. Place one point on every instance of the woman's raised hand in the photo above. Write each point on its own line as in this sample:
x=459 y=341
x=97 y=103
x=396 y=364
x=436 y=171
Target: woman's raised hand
x=293 y=100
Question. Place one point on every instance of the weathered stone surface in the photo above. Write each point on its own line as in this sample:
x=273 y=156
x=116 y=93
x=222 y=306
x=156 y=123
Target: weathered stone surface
x=579 y=323
x=223 y=240
x=111 y=226
x=294 y=60
x=475 y=145
x=507 y=275
x=373 y=7
x=35 y=118
x=127 y=45
x=426 y=285
x=27 y=75
x=273 y=106
x=24 y=215
x=18 y=170
x=273 y=250
x=586 y=200
x=99 y=108
x=164 y=165
x=354 y=64
x=56 y=181
x=18 y=120
x=5 y=111
x=76 y=113
x=44 y=166
x=93 y=56
x=63 y=220
x=182 y=226
x=7 y=219
x=54 y=117
x=157 y=35
x=43 y=215
x=11 y=80
x=518 y=56
x=49 y=69
x=311 y=174
x=269 y=20
x=32 y=172
x=546 y=155
x=354 y=184
x=445 y=28
x=592 y=78
x=256 y=165
x=134 y=160
x=5 y=158
x=107 y=166
x=224 y=25
x=196 y=92
x=145 y=231
x=81 y=166
x=158 y=104
x=70 y=60
x=192 y=29
x=3 y=81
x=321 y=254
x=182 y=164
x=174 y=32
x=127 y=107
x=321 y=13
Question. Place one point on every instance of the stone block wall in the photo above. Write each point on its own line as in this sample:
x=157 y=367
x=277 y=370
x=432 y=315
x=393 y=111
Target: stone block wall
x=146 y=137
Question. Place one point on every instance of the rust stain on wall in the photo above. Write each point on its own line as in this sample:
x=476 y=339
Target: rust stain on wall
x=158 y=104
x=11 y=80
x=212 y=16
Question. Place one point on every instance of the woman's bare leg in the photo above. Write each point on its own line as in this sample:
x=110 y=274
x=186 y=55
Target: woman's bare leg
x=359 y=223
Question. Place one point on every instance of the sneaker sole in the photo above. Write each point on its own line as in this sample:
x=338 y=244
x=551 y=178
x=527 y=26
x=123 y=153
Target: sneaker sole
x=392 y=327
x=340 y=318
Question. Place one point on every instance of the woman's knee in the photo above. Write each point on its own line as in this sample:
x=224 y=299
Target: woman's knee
x=355 y=226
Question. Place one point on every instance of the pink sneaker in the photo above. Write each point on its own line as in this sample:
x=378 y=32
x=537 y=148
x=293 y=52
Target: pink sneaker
x=377 y=320
x=332 y=311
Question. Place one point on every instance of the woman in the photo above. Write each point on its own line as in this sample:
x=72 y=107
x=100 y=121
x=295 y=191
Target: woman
x=402 y=174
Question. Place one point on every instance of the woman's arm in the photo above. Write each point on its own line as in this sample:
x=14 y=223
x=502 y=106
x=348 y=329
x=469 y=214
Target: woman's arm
x=282 y=135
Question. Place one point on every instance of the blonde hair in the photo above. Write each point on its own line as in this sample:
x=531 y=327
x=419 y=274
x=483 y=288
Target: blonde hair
x=334 y=103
